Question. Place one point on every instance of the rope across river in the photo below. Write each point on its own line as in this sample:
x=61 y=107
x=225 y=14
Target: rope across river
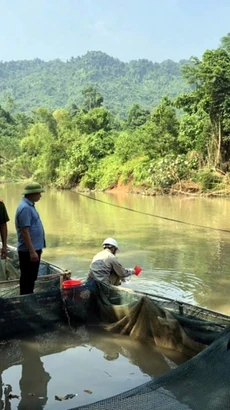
x=154 y=215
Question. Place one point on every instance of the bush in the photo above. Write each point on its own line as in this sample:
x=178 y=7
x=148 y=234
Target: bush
x=209 y=179
x=171 y=169
x=135 y=170
x=108 y=172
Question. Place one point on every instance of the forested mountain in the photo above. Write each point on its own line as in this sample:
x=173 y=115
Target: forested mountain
x=55 y=83
x=84 y=144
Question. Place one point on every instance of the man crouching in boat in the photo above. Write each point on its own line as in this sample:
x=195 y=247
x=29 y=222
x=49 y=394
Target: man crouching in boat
x=106 y=268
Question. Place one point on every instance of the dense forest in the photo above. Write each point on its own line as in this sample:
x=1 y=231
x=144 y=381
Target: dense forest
x=58 y=84
x=182 y=143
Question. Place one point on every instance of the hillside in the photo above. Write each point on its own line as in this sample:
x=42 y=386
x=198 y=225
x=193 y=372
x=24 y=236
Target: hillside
x=56 y=83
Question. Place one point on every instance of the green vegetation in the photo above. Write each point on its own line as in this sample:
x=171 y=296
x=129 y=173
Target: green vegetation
x=181 y=143
x=57 y=84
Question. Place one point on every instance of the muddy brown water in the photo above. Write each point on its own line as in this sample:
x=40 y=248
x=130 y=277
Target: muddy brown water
x=179 y=260
x=87 y=362
x=183 y=246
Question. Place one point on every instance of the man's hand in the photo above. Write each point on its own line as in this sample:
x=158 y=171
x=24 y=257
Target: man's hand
x=3 y=252
x=34 y=256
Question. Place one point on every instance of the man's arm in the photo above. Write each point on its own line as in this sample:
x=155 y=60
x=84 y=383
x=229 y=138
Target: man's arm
x=23 y=223
x=4 y=218
x=3 y=233
x=27 y=240
x=119 y=269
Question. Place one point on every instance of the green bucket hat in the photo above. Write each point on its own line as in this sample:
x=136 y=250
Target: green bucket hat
x=32 y=188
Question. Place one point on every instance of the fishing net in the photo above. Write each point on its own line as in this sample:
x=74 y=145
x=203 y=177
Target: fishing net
x=167 y=324
x=9 y=269
x=204 y=336
x=35 y=313
x=41 y=311
x=10 y=274
x=202 y=383
x=143 y=318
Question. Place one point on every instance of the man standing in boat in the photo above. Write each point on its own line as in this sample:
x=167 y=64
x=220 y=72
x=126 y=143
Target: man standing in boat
x=106 y=268
x=4 y=218
x=31 y=237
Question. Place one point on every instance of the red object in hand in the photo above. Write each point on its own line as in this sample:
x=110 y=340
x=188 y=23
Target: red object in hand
x=137 y=270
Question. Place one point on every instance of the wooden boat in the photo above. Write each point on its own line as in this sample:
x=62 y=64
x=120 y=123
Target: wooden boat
x=10 y=273
x=78 y=298
x=200 y=383
x=78 y=301
x=50 y=304
x=37 y=312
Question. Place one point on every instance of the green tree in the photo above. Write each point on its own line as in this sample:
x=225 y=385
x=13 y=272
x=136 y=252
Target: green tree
x=225 y=43
x=11 y=131
x=210 y=78
x=93 y=121
x=161 y=131
x=129 y=145
x=137 y=116
x=194 y=133
x=74 y=109
x=45 y=116
x=165 y=117
x=58 y=84
x=91 y=99
x=10 y=104
x=43 y=152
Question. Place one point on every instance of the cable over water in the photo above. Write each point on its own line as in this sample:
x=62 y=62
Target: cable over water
x=154 y=215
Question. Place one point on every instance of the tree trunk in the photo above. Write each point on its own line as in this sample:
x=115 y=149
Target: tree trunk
x=212 y=147
x=218 y=152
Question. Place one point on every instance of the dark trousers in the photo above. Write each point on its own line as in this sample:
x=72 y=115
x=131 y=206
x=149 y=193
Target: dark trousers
x=29 y=272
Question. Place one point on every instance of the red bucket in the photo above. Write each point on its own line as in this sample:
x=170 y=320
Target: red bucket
x=70 y=283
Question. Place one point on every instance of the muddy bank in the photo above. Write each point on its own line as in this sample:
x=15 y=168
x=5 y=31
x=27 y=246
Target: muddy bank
x=182 y=189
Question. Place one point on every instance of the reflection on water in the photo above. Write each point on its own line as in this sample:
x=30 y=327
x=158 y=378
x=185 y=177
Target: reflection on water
x=178 y=260
x=34 y=380
x=71 y=361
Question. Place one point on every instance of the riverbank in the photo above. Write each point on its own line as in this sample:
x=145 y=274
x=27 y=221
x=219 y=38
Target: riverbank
x=185 y=188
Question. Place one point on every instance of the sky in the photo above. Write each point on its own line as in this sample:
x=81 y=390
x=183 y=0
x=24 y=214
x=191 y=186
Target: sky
x=156 y=30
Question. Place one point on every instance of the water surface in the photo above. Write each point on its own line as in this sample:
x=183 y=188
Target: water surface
x=183 y=261
x=179 y=260
x=90 y=363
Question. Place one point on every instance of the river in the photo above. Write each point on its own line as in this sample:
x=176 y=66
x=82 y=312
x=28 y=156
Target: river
x=187 y=260
x=182 y=244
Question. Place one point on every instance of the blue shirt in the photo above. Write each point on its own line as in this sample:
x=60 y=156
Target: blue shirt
x=27 y=216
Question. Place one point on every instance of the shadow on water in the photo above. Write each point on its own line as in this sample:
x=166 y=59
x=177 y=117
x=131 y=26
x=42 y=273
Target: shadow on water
x=34 y=381
x=79 y=361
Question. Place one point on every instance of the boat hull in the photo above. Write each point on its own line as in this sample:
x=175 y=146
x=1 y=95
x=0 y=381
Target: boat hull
x=51 y=304
x=34 y=313
x=80 y=301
